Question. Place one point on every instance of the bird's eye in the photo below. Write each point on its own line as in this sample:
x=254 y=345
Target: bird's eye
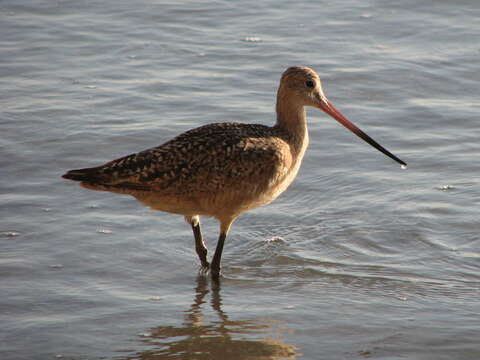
x=310 y=83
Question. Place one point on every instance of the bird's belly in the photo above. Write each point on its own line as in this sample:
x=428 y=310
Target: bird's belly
x=188 y=205
x=232 y=200
x=239 y=199
x=219 y=204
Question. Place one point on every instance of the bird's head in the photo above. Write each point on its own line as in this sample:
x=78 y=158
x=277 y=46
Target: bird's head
x=301 y=85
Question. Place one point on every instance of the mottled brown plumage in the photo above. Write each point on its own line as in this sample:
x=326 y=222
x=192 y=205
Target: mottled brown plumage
x=220 y=170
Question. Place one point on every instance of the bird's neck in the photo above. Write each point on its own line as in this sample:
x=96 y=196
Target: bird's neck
x=291 y=119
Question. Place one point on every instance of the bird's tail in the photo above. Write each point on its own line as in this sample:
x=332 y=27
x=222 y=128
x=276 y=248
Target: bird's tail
x=95 y=179
x=87 y=174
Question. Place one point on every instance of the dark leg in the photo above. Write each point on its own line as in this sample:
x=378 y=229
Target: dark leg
x=217 y=257
x=200 y=246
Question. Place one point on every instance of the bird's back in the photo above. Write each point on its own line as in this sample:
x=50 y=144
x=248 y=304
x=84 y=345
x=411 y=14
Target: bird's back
x=211 y=167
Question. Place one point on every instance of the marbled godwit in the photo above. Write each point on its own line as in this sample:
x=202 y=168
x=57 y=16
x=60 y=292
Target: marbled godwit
x=225 y=169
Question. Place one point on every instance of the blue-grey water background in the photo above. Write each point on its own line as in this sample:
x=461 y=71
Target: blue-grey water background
x=357 y=260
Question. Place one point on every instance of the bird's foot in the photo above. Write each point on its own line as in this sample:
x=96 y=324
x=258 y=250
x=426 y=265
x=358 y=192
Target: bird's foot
x=215 y=274
x=204 y=268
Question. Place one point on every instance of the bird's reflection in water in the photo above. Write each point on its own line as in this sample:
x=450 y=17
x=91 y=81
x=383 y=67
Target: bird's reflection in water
x=218 y=339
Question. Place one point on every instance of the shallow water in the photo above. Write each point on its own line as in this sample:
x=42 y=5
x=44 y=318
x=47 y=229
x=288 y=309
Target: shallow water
x=358 y=259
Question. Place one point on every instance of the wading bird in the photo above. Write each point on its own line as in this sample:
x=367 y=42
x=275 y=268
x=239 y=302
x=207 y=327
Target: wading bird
x=222 y=170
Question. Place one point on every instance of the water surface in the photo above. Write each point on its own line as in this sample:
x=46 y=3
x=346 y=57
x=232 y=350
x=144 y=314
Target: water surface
x=358 y=259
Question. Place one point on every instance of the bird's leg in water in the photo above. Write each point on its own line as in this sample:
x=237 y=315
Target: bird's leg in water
x=225 y=224
x=200 y=247
x=217 y=257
